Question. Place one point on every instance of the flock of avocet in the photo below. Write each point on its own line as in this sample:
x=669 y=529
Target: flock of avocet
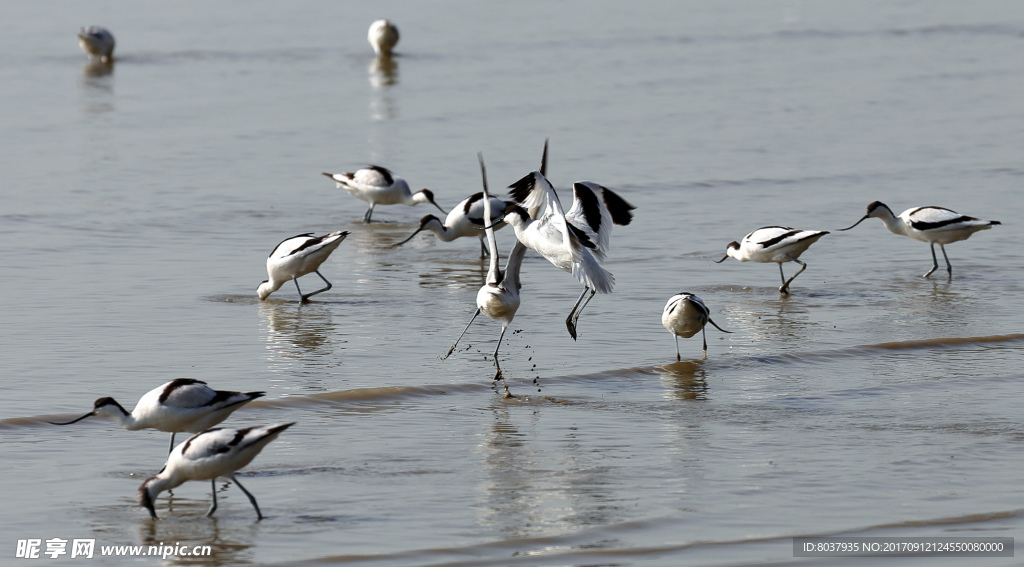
x=575 y=240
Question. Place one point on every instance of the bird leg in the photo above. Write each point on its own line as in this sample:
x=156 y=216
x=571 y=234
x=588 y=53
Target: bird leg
x=785 y=284
x=498 y=374
x=306 y=297
x=704 y=336
x=451 y=350
x=949 y=267
x=368 y=214
x=935 y=262
x=213 y=493
x=252 y=500
x=678 y=358
x=171 y=448
x=483 y=248
x=574 y=315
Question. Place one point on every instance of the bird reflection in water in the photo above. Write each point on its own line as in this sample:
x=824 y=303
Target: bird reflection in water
x=383 y=75
x=538 y=484
x=225 y=549
x=297 y=332
x=96 y=68
x=684 y=380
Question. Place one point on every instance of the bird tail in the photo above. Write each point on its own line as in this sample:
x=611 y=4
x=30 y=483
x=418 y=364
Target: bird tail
x=588 y=271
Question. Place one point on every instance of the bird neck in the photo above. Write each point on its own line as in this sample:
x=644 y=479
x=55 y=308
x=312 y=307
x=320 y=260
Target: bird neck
x=114 y=411
x=268 y=287
x=515 y=260
x=892 y=222
x=442 y=232
x=164 y=480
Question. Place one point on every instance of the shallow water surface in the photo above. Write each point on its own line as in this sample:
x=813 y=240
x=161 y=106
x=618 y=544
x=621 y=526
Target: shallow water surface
x=141 y=200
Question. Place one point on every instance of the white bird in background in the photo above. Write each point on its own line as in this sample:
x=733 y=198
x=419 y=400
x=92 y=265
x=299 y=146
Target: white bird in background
x=498 y=298
x=206 y=456
x=383 y=36
x=465 y=219
x=934 y=225
x=774 y=244
x=378 y=186
x=575 y=241
x=97 y=42
x=181 y=405
x=685 y=314
x=297 y=256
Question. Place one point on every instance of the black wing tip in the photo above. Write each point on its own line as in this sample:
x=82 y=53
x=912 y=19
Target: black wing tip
x=521 y=189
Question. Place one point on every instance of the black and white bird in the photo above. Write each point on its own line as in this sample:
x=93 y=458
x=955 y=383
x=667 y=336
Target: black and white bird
x=465 y=219
x=181 y=405
x=777 y=244
x=934 y=225
x=207 y=455
x=383 y=36
x=297 y=256
x=378 y=186
x=575 y=241
x=685 y=314
x=97 y=42
x=498 y=298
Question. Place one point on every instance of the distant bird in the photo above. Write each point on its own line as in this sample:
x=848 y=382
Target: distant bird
x=206 y=456
x=934 y=225
x=181 y=405
x=383 y=36
x=774 y=244
x=297 y=256
x=684 y=315
x=378 y=186
x=97 y=42
x=465 y=219
x=499 y=297
x=575 y=241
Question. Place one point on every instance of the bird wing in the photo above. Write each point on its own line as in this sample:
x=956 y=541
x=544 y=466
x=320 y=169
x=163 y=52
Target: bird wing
x=536 y=195
x=373 y=176
x=590 y=216
x=217 y=442
x=305 y=242
x=187 y=393
x=938 y=218
x=473 y=209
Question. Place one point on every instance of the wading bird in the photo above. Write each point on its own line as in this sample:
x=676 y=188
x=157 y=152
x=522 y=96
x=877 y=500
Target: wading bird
x=181 y=405
x=97 y=42
x=777 y=244
x=934 y=225
x=383 y=36
x=685 y=314
x=297 y=256
x=575 y=241
x=378 y=186
x=466 y=219
x=498 y=298
x=206 y=456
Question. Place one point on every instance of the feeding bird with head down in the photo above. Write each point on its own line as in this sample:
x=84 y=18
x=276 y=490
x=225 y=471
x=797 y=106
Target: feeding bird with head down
x=383 y=36
x=777 y=244
x=97 y=42
x=297 y=256
x=207 y=455
x=378 y=186
x=684 y=316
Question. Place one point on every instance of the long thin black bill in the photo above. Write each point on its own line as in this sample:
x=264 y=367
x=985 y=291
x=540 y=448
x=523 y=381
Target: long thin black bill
x=90 y=414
